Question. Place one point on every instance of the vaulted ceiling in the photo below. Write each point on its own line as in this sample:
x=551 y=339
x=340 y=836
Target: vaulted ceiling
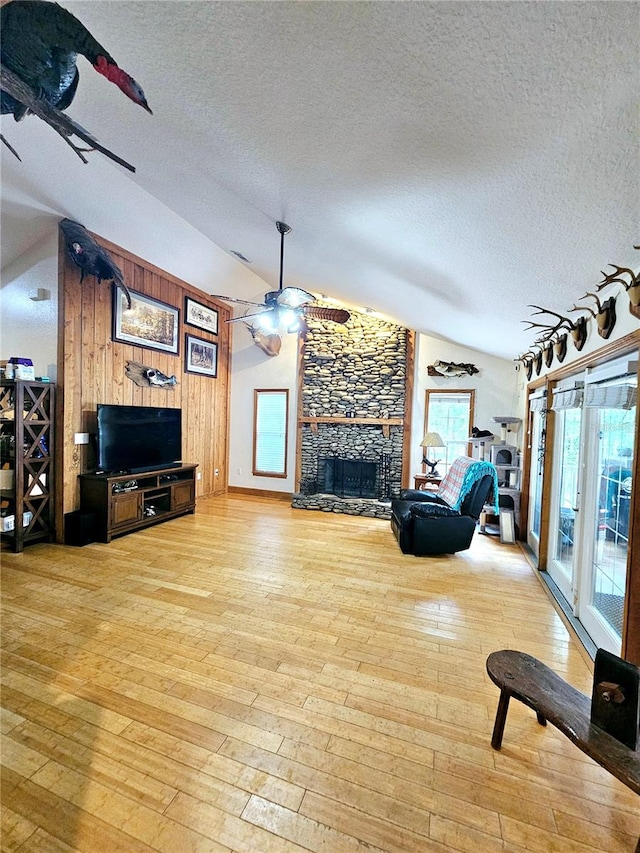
x=444 y=163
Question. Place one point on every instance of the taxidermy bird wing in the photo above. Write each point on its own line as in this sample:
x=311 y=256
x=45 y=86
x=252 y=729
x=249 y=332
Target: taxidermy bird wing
x=40 y=44
x=92 y=259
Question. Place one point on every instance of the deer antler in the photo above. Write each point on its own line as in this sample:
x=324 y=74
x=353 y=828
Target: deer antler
x=593 y=313
x=526 y=357
x=552 y=329
x=615 y=276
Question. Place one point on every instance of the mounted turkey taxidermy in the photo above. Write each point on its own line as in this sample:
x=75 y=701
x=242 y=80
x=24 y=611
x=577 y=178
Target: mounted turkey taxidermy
x=40 y=45
x=88 y=254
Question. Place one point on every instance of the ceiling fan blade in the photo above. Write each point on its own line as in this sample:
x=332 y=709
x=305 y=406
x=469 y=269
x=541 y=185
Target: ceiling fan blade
x=336 y=315
x=246 y=316
x=294 y=297
x=239 y=301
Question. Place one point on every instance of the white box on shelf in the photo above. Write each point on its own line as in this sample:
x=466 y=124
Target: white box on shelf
x=6 y=478
x=7 y=522
x=25 y=372
x=26 y=518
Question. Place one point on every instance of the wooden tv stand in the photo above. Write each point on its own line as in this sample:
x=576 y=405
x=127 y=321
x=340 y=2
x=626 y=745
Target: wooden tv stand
x=126 y=502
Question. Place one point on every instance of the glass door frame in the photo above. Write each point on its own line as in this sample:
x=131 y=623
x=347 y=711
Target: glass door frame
x=565 y=580
x=626 y=346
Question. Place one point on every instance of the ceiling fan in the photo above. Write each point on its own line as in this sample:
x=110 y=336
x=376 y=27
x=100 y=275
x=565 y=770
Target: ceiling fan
x=285 y=307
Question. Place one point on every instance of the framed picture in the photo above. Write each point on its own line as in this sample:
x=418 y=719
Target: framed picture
x=507 y=526
x=200 y=356
x=197 y=314
x=148 y=323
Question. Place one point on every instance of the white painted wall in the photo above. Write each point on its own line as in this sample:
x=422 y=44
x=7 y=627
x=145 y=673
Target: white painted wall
x=496 y=387
x=30 y=329
x=251 y=369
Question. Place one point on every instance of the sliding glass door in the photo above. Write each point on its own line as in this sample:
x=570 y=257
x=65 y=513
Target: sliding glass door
x=564 y=539
x=537 y=440
x=591 y=496
x=610 y=415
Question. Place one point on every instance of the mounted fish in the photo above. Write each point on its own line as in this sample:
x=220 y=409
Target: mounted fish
x=91 y=257
x=450 y=368
x=148 y=377
x=40 y=45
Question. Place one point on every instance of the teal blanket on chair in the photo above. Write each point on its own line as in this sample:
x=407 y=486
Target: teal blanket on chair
x=462 y=476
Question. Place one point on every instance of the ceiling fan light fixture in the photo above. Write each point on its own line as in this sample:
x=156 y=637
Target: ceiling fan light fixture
x=290 y=319
x=286 y=307
x=267 y=322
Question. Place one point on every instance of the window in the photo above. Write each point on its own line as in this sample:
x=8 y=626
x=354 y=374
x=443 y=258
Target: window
x=450 y=413
x=270 y=419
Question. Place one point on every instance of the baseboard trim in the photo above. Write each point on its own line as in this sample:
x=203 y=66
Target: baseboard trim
x=259 y=493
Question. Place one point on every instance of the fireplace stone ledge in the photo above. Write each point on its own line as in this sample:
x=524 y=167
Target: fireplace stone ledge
x=369 y=507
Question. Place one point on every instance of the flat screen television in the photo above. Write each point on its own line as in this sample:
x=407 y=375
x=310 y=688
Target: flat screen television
x=132 y=439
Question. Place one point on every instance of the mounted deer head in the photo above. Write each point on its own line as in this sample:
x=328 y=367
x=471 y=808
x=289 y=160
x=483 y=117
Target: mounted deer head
x=578 y=329
x=269 y=344
x=545 y=343
x=537 y=362
x=632 y=285
x=605 y=316
x=560 y=347
x=527 y=362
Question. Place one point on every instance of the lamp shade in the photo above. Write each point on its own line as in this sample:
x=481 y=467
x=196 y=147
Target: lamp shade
x=432 y=439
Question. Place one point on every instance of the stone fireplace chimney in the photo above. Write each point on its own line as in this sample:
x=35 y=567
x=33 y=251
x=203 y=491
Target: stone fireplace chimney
x=353 y=405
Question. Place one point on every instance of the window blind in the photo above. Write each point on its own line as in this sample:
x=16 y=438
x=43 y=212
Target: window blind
x=270 y=433
x=620 y=396
x=569 y=399
x=538 y=403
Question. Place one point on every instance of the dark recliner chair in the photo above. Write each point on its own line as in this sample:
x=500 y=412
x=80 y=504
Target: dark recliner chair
x=425 y=524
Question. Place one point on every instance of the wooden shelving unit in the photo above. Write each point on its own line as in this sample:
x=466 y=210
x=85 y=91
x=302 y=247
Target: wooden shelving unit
x=127 y=502
x=26 y=430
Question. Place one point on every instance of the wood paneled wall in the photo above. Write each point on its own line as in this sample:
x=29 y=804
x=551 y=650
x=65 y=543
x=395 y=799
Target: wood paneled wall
x=91 y=370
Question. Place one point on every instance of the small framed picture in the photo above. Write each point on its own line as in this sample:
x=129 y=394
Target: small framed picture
x=200 y=356
x=507 y=527
x=148 y=323
x=197 y=314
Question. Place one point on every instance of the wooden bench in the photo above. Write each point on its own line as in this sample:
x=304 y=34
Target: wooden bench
x=530 y=681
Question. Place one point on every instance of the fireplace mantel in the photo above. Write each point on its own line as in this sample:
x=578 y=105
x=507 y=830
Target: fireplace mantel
x=385 y=423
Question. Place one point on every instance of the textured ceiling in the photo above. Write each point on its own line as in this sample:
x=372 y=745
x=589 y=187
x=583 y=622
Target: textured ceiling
x=444 y=163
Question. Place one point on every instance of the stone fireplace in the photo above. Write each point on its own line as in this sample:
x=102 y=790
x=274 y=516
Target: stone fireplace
x=353 y=411
x=349 y=478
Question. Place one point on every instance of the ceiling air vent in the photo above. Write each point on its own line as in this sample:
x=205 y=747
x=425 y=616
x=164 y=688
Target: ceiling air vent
x=240 y=256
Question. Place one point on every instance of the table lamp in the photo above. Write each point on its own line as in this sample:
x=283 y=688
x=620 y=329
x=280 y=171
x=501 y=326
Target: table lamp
x=431 y=439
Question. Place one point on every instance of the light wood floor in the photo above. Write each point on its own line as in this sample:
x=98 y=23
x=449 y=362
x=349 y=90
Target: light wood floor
x=260 y=679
